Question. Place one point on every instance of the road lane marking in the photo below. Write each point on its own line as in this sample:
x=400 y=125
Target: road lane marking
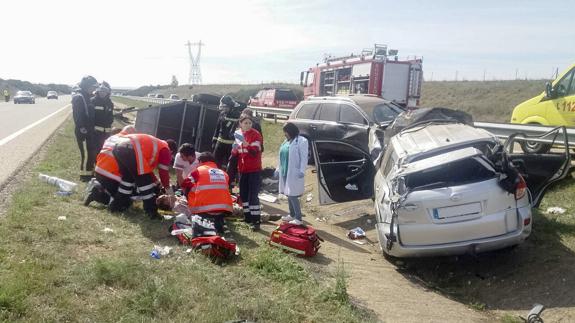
x=13 y=136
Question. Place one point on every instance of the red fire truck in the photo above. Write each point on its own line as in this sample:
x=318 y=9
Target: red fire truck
x=376 y=71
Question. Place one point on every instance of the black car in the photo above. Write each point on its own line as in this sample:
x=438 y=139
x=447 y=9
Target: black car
x=24 y=97
x=345 y=119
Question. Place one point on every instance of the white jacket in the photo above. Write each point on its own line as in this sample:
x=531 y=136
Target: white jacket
x=297 y=162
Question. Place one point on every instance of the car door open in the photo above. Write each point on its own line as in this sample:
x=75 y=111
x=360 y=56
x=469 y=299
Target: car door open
x=345 y=173
x=540 y=170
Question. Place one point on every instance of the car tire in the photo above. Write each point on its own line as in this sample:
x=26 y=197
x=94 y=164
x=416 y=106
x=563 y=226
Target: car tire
x=531 y=147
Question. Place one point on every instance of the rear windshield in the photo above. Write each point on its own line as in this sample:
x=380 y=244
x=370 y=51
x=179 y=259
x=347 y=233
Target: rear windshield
x=285 y=95
x=24 y=93
x=452 y=174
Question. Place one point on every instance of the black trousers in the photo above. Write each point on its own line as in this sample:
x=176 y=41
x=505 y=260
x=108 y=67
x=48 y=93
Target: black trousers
x=100 y=137
x=249 y=190
x=132 y=183
x=222 y=154
x=110 y=188
x=217 y=219
x=91 y=150
x=232 y=169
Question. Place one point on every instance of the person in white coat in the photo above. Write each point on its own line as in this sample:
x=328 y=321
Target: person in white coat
x=293 y=156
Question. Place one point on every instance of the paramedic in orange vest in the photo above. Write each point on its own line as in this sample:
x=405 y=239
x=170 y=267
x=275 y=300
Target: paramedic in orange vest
x=209 y=195
x=138 y=155
x=108 y=176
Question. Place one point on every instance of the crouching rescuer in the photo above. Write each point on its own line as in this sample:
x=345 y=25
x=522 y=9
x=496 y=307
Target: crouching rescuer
x=108 y=176
x=208 y=195
x=138 y=155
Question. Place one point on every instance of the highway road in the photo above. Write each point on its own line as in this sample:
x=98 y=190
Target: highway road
x=25 y=127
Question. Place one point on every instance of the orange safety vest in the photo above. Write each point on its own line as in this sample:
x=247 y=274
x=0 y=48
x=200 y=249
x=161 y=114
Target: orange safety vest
x=106 y=164
x=147 y=149
x=210 y=192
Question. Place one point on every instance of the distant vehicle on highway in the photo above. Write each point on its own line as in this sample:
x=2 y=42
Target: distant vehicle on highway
x=347 y=118
x=553 y=107
x=159 y=96
x=174 y=97
x=275 y=98
x=24 y=97
x=52 y=95
x=151 y=95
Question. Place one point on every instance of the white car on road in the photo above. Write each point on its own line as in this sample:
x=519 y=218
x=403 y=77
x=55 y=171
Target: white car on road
x=443 y=188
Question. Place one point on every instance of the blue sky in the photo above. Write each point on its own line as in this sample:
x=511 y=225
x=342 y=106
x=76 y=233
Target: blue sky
x=132 y=43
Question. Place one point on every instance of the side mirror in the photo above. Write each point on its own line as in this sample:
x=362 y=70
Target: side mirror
x=301 y=78
x=549 y=90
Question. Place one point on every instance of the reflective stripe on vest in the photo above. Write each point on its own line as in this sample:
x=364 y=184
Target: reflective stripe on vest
x=211 y=207
x=106 y=164
x=209 y=187
x=146 y=148
x=225 y=141
x=210 y=192
x=106 y=173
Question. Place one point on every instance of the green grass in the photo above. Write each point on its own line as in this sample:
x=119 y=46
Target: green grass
x=72 y=270
x=486 y=101
x=131 y=102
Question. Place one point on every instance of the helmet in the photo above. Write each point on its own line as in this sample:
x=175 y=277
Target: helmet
x=227 y=101
x=103 y=89
x=87 y=83
x=129 y=129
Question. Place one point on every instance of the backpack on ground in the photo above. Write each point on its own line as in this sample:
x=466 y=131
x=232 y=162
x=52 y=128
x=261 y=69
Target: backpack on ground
x=299 y=239
x=215 y=246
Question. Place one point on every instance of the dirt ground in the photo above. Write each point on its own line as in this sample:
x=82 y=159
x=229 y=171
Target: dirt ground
x=373 y=281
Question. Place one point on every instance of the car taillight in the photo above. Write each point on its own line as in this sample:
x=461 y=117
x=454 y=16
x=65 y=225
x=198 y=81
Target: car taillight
x=520 y=189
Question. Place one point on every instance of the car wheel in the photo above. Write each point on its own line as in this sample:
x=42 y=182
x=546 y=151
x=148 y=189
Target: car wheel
x=532 y=147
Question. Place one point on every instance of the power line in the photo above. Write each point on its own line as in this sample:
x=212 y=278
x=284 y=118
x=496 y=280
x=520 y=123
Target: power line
x=195 y=76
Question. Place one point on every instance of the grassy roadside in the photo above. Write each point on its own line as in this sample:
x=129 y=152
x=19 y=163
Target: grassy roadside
x=72 y=270
x=131 y=102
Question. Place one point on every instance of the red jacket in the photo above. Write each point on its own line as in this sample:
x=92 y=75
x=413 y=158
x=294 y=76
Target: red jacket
x=250 y=152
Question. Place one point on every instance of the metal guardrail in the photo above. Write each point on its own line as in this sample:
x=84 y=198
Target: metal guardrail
x=501 y=130
x=274 y=111
x=148 y=99
x=504 y=130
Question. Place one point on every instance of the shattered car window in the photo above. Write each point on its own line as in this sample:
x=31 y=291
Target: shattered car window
x=337 y=152
x=453 y=174
x=385 y=113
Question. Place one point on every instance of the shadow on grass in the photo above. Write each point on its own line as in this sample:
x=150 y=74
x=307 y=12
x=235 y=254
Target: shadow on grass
x=538 y=271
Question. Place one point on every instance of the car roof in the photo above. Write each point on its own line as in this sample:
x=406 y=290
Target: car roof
x=431 y=137
x=366 y=102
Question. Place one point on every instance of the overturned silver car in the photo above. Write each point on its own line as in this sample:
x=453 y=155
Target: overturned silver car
x=441 y=186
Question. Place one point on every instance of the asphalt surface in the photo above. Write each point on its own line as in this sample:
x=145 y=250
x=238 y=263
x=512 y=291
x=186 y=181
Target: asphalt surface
x=25 y=127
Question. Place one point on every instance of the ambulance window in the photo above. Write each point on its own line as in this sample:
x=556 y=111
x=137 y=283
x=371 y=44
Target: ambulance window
x=307 y=111
x=564 y=86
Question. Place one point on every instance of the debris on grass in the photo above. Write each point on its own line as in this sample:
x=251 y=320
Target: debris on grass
x=108 y=230
x=309 y=197
x=555 y=210
x=268 y=197
x=356 y=233
x=62 y=218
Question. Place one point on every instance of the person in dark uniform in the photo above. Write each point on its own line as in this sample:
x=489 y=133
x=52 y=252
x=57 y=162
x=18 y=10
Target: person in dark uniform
x=83 y=113
x=103 y=114
x=223 y=139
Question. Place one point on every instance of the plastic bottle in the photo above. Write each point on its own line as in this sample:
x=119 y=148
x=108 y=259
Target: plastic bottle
x=62 y=184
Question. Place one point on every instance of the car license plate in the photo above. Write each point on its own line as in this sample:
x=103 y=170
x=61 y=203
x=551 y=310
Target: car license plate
x=458 y=210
